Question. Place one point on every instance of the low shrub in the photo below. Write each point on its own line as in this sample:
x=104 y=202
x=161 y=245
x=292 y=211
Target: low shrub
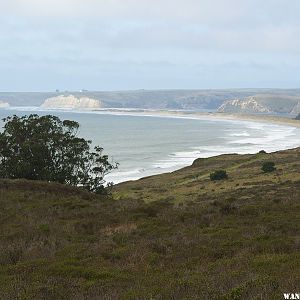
x=268 y=166
x=218 y=175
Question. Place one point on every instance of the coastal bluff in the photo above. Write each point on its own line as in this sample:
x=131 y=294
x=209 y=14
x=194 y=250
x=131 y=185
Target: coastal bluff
x=263 y=103
x=4 y=104
x=249 y=105
x=71 y=102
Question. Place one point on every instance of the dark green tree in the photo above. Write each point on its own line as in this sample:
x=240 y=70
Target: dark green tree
x=46 y=148
x=268 y=166
x=218 y=175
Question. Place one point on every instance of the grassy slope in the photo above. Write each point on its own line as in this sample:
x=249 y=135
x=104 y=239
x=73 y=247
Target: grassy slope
x=189 y=239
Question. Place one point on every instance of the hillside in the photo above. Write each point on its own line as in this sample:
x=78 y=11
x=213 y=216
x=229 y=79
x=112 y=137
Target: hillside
x=263 y=103
x=137 y=98
x=170 y=236
x=271 y=101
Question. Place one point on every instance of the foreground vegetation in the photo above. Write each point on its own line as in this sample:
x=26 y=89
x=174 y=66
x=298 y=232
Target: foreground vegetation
x=171 y=236
x=46 y=148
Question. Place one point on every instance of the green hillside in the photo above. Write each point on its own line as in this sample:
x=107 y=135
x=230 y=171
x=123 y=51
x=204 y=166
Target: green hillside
x=170 y=236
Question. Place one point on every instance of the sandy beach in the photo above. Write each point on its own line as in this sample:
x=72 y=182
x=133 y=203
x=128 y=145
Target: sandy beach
x=273 y=119
x=279 y=120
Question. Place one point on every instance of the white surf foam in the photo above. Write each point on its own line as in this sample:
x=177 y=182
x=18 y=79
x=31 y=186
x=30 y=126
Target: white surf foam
x=273 y=138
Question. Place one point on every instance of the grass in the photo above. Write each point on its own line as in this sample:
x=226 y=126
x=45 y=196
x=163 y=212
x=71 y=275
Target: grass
x=171 y=236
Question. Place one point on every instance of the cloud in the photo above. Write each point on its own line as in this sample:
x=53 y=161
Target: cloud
x=212 y=11
x=179 y=38
x=124 y=8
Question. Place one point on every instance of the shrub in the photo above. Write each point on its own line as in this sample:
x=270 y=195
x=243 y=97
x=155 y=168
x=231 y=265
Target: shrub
x=262 y=152
x=227 y=209
x=218 y=175
x=268 y=166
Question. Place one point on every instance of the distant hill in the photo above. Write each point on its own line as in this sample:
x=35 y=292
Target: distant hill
x=271 y=101
x=171 y=236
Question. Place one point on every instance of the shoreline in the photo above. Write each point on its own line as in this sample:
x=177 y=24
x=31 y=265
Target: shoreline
x=285 y=123
x=208 y=116
x=273 y=119
x=270 y=119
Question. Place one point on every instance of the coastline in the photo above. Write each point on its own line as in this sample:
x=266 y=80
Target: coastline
x=275 y=128
x=270 y=119
x=208 y=116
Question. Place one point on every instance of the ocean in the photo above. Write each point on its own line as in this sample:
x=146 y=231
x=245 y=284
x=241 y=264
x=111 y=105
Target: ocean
x=147 y=145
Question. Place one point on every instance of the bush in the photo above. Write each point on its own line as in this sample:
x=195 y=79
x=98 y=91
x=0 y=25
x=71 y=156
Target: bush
x=218 y=175
x=262 y=152
x=227 y=209
x=268 y=166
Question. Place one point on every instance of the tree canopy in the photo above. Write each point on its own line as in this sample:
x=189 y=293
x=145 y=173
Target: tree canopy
x=47 y=148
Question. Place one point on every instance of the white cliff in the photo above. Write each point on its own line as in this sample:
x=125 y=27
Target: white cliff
x=71 y=102
x=4 y=104
x=296 y=109
x=248 y=105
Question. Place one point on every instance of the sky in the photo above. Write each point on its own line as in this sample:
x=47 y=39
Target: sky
x=148 y=44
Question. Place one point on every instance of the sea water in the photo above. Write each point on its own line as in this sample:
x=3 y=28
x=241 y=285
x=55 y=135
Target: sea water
x=145 y=145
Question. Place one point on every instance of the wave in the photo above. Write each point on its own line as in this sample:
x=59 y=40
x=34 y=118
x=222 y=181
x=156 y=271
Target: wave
x=274 y=138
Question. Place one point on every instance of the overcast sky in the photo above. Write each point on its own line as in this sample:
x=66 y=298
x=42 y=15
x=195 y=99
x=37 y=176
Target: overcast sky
x=150 y=44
